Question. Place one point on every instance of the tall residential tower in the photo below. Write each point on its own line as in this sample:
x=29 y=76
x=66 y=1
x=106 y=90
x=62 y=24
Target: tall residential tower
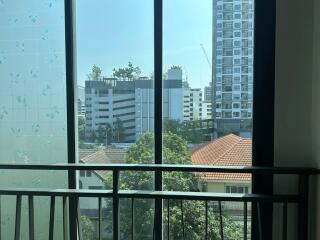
x=233 y=59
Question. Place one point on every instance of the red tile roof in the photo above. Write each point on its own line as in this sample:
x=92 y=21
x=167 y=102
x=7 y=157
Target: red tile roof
x=230 y=150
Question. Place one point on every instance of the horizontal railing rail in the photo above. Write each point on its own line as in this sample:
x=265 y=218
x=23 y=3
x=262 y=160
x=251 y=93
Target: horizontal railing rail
x=162 y=167
x=210 y=196
x=300 y=199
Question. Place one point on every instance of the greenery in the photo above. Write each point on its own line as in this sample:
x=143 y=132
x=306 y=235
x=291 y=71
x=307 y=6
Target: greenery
x=81 y=128
x=104 y=134
x=176 y=67
x=127 y=73
x=95 y=74
x=185 y=130
x=118 y=130
x=88 y=230
x=83 y=145
x=175 y=151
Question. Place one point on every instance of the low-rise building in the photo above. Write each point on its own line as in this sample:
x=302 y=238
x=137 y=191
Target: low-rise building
x=230 y=150
x=192 y=103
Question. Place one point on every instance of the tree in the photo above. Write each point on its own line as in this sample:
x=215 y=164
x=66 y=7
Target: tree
x=128 y=73
x=81 y=128
x=185 y=130
x=92 y=136
x=95 y=75
x=104 y=134
x=175 y=151
x=176 y=67
x=88 y=231
x=118 y=130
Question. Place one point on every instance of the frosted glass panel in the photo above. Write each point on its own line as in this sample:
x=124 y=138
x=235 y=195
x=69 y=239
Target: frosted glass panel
x=32 y=104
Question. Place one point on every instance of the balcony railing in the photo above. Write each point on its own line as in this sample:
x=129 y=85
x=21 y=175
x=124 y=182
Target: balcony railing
x=72 y=196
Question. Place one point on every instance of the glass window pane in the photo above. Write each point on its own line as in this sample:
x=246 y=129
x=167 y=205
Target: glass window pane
x=32 y=106
x=206 y=50
x=115 y=102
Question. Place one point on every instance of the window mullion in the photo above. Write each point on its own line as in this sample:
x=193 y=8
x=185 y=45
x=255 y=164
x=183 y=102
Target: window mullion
x=158 y=30
x=70 y=97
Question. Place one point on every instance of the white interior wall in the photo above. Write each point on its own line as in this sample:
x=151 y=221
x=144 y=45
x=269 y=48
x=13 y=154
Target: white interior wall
x=315 y=216
x=293 y=94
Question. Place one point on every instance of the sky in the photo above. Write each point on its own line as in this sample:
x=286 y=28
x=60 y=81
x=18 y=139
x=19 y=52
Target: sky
x=110 y=33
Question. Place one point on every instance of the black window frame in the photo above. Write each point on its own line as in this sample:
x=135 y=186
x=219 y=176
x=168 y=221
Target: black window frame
x=263 y=106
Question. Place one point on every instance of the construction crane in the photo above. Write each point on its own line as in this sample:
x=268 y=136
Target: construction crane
x=213 y=107
x=206 y=55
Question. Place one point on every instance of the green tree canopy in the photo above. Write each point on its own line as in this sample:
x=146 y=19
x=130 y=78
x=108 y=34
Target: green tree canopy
x=175 y=151
x=81 y=128
x=186 y=130
x=95 y=73
x=88 y=230
x=104 y=134
x=127 y=73
x=118 y=130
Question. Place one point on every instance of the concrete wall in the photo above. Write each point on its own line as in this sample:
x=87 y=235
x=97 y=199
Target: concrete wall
x=297 y=111
x=315 y=216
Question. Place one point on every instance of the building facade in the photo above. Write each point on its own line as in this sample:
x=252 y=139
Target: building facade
x=206 y=110
x=233 y=58
x=132 y=103
x=81 y=106
x=208 y=93
x=107 y=101
x=192 y=103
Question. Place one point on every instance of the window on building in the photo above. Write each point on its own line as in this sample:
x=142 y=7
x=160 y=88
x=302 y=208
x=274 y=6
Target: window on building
x=95 y=187
x=237 y=189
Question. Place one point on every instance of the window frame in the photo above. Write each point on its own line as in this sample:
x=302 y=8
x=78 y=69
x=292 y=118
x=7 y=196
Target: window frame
x=263 y=98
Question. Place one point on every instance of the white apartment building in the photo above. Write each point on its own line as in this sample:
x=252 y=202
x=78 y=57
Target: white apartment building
x=106 y=101
x=206 y=110
x=81 y=106
x=233 y=58
x=192 y=103
x=132 y=102
x=172 y=101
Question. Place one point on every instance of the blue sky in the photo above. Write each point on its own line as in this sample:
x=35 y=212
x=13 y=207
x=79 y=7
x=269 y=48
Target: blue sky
x=110 y=33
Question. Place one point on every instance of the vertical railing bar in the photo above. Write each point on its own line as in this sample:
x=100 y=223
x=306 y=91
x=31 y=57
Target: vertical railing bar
x=18 y=218
x=51 y=218
x=153 y=227
x=221 y=221
x=78 y=218
x=182 y=219
x=206 y=215
x=31 y=217
x=303 y=207
x=245 y=221
x=259 y=221
x=100 y=218
x=0 y=218
x=132 y=219
x=115 y=210
x=284 y=220
x=65 y=218
x=168 y=223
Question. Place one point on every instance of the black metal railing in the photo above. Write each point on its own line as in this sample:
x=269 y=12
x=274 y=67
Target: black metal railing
x=301 y=198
